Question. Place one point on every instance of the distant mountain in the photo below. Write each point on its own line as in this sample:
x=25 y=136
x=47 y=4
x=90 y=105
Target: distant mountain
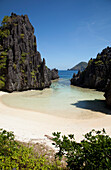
x=81 y=66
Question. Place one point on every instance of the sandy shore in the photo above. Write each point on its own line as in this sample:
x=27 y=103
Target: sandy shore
x=32 y=126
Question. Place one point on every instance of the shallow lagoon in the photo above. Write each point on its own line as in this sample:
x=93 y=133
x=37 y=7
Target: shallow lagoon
x=60 y=100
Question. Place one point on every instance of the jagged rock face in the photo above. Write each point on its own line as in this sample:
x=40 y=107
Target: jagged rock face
x=21 y=67
x=54 y=74
x=108 y=93
x=97 y=73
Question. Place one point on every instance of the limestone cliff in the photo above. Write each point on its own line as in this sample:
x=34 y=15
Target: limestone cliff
x=21 y=66
x=54 y=74
x=97 y=73
x=108 y=93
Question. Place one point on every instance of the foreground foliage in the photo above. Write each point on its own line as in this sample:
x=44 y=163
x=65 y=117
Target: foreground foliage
x=94 y=152
x=14 y=155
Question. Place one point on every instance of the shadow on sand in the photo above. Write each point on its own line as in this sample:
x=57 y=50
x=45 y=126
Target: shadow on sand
x=94 y=105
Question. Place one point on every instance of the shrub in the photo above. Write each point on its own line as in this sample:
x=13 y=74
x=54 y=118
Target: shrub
x=14 y=155
x=94 y=152
x=99 y=62
x=5 y=20
x=33 y=72
x=5 y=33
x=23 y=71
x=24 y=54
x=90 y=61
x=4 y=53
x=2 y=84
x=42 y=84
x=3 y=60
x=15 y=24
x=22 y=36
x=38 y=66
x=98 y=57
x=2 y=65
x=23 y=57
x=35 y=44
x=1 y=47
x=14 y=66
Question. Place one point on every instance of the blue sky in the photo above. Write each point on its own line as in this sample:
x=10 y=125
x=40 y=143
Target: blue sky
x=67 y=31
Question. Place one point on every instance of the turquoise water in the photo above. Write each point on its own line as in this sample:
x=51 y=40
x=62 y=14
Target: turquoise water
x=64 y=80
x=61 y=99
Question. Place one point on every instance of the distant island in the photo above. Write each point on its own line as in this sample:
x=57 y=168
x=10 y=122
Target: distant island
x=81 y=66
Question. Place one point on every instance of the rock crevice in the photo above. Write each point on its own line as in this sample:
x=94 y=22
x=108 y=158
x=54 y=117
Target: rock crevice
x=97 y=75
x=21 y=66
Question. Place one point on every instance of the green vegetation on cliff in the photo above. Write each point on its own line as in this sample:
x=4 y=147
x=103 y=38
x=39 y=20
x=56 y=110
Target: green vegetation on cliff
x=21 y=65
x=98 y=72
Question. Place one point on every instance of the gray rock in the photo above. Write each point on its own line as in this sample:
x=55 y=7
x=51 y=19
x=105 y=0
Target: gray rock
x=21 y=66
x=96 y=73
x=108 y=93
x=54 y=74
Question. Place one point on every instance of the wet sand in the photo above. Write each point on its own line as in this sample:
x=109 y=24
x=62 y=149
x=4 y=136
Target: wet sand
x=30 y=125
x=65 y=102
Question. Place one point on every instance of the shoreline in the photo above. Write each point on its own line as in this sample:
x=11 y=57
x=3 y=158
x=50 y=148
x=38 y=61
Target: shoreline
x=33 y=126
x=50 y=103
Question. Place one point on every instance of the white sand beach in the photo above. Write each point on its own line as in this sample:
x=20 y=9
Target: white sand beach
x=33 y=126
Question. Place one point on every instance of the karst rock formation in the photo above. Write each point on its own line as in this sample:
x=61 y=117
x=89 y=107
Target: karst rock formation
x=21 y=66
x=97 y=74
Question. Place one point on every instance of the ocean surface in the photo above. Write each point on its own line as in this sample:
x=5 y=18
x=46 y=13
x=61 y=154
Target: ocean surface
x=64 y=79
x=61 y=99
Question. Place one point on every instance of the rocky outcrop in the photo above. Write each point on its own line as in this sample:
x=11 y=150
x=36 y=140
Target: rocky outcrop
x=54 y=74
x=21 y=66
x=108 y=93
x=97 y=73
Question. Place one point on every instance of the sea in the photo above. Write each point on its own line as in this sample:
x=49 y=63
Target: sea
x=61 y=99
x=66 y=74
x=64 y=79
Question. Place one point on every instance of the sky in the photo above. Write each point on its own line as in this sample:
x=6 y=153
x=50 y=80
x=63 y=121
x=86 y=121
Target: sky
x=67 y=31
